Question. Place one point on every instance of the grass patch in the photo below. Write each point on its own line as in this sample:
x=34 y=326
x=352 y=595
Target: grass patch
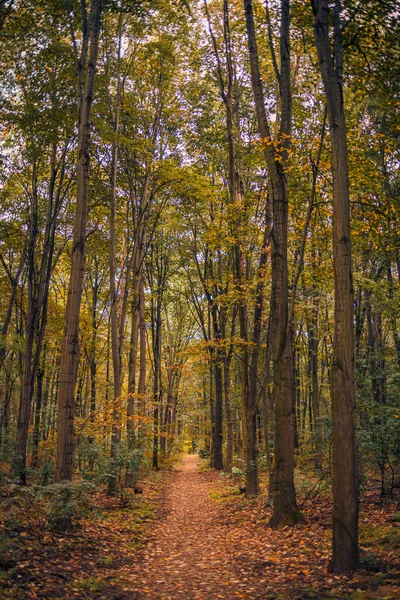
x=107 y=561
x=377 y=535
x=224 y=495
x=93 y=584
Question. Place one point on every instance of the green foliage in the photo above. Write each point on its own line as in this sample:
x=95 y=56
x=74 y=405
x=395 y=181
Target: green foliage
x=203 y=453
x=94 y=461
x=92 y=584
x=37 y=507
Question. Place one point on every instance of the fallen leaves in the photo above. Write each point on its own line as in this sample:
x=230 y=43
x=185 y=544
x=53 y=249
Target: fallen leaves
x=191 y=536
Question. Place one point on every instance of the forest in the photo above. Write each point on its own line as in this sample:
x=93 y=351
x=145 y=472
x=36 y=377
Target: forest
x=200 y=299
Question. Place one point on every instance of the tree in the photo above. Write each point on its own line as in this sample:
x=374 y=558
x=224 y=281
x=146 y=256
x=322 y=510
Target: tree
x=85 y=73
x=276 y=156
x=345 y=554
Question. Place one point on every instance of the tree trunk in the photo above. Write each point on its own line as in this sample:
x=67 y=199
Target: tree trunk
x=93 y=348
x=315 y=396
x=130 y=423
x=114 y=296
x=393 y=319
x=217 y=458
x=70 y=345
x=156 y=327
x=283 y=491
x=345 y=555
x=142 y=358
x=228 y=413
x=38 y=409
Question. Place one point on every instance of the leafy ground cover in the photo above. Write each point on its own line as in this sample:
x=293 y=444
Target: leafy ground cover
x=86 y=562
x=292 y=562
x=193 y=535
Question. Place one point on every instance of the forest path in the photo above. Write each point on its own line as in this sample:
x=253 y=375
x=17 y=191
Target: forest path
x=190 y=554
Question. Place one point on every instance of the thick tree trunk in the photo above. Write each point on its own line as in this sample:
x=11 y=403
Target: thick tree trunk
x=345 y=555
x=70 y=345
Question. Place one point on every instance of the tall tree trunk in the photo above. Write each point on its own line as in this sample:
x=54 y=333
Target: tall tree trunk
x=266 y=403
x=133 y=352
x=70 y=346
x=157 y=390
x=283 y=492
x=114 y=296
x=345 y=554
x=228 y=413
x=314 y=387
x=248 y=362
x=93 y=347
x=217 y=457
x=393 y=319
x=14 y=279
x=142 y=359
x=38 y=409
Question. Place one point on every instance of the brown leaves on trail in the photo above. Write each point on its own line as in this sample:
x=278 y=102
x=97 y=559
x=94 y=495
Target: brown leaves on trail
x=192 y=536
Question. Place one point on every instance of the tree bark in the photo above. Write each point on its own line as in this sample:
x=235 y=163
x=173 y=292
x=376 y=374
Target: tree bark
x=116 y=328
x=133 y=353
x=345 y=555
x=283 y=492
x=70 y=346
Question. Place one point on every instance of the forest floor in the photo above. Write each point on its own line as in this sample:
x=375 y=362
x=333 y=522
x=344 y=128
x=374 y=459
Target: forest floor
x=193 y=536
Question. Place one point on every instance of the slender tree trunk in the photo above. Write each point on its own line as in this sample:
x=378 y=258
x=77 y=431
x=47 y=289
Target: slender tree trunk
x=93 y=349
x=70 y=346
x=217 y=458
x=156 y=326
x=228 y=413
x=45 y=401
x=249 y=404
x=283 y=491
x=130 y=423
x=266 y=402
x=114 y=297
x=38 y=409
x=7 y=319
x=345 y=555
x=393 y=319
x=315 y=396
x=142 y=359
x=252 y=482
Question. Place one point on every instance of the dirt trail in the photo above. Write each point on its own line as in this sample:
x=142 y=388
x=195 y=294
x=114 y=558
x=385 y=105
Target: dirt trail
x=189 y=554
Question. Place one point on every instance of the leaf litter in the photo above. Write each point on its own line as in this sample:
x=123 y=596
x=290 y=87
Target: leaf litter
x=192 y=536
